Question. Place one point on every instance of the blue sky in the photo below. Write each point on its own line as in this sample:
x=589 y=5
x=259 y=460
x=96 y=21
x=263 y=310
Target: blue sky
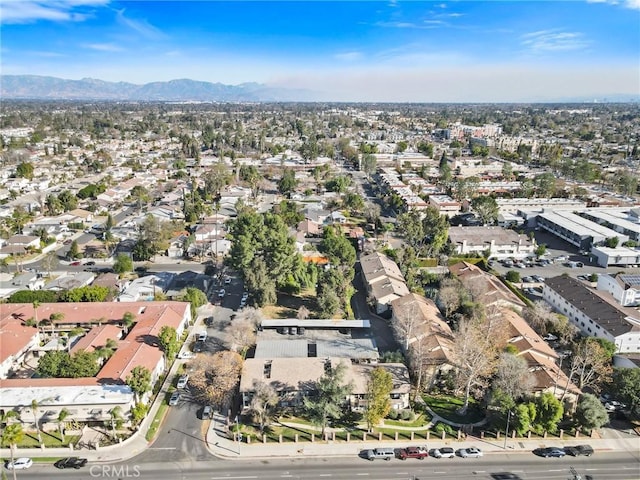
x=360 y=51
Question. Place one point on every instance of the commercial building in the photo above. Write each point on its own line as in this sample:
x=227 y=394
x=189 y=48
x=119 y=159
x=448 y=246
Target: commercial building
x=595 y=313
x=576 y=230
x=624 y=288
x=619 y=256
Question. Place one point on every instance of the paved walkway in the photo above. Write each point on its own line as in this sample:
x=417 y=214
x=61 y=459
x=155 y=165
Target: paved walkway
x=220 y=444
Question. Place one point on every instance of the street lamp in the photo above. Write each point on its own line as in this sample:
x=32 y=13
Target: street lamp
x=506 y=430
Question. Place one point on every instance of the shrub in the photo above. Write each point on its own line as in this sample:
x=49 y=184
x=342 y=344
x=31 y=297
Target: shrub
x=407 y=415
x=393 y=414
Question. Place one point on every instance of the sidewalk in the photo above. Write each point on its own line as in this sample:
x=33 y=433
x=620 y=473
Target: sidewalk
x=132 y=446
x=221 y=446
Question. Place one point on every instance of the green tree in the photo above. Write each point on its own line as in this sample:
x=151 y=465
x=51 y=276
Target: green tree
x=549 y=411
x=52 y=363
x=369 y=164
x=288 y=182
x=67 y=200
x=590 y=413
x=195 y=297
x=626 y=384
x=62 y=416
x=513 y=276
x=523 y=417
x=330 y=394
x=128 y=319
x=123 y=263
x=486 y=208
x=611 y=242
x=545 y=184
x=338 y=249
x=168 y=339
x=24 y=170
x=12 y=435
x=74 y=251
x=379 y=389
x=540 y=250
x=139 y=380
x=138 y=412
x=35 y=409
x=115 y=418
x=338 y=184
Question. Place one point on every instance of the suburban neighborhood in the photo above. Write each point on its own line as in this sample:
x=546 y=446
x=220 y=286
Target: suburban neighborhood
x=337 y=277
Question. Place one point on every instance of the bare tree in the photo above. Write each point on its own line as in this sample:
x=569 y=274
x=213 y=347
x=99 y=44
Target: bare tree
x=242 y=335
x=263 y=403
x=404 y=323
x=449 y=295
x=539 y=316
x=303 y=313
x=417 y=357
x=512 y=376
x=564 y=328
x=590 y=365
x=215 y=378
x=475 y=358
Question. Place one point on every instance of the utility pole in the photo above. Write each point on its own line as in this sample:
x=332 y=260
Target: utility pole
x=506 y=431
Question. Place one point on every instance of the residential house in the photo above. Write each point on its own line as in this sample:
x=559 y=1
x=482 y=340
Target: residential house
x=16 y=340
x=383 y=280
x=490 y=290
x=424 y=328
x=542 y=360
x=294 y=380
x=496 y=241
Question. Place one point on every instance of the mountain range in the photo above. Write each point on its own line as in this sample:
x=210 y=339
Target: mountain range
x=183 y=90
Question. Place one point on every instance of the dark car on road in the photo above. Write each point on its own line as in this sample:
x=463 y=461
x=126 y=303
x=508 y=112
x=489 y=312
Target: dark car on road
x=550 y=452
x=71 y=462
x=413 y=452
x=577 y=450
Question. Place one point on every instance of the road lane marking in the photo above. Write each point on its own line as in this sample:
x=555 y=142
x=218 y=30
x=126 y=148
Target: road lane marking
x=161 y=448
x=325 y=475
x=229 y=478
x=362 y=474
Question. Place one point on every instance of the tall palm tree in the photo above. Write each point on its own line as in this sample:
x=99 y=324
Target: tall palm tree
x=128 y=320
x=62 y=416
x=34 y=410
x=12 y=435
x=53 y=318
x=36 y=304
x=4 y=418
x=116 y=417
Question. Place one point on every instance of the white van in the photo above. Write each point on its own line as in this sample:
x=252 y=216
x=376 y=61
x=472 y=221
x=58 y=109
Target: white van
x=383 y=453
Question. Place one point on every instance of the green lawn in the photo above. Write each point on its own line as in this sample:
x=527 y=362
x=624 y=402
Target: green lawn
x=420 y=421
x=447 y=407
x=50 y=439
x=157 y=422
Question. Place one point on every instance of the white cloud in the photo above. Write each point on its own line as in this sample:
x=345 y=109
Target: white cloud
x=142 y=27
x=632 y=4
x=348 y=56
x=30 y=11
x=553 y=41
x=103 y=47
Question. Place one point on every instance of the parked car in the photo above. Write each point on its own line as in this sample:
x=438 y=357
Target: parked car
x=549 y=337
x=186 y=355
x=577 y=450
x=70 y=462
x=382 y=453
x=245 y=296
x=547 y=452
x=471 y=452
x=538 y=278
x=202 y=336
x=91 y=262
x=208 y=321
x=207 y=412
x=173 y=400
x=444 y=452
x=182 y=381
x=222 y=293
x=198 y=347
x=75 y=264
x=413 y=452
x=19 y=464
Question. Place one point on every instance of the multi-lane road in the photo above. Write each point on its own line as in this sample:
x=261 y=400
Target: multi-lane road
x=604 y=466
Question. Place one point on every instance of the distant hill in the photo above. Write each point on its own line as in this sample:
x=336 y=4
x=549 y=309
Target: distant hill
x=183 y=90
